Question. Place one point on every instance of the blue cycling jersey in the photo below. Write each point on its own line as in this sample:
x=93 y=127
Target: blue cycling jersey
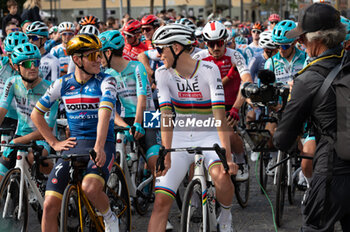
x=82 y=103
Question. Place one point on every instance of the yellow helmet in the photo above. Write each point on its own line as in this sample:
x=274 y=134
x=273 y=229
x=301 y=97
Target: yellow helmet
x=83 y=43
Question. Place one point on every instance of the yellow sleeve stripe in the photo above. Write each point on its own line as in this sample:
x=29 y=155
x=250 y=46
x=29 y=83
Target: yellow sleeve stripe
x=105 y=108
x=165 y=108
x=106 y=104
x=41 y=108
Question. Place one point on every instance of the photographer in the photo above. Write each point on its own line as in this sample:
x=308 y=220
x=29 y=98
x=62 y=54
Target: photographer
x=327 y=199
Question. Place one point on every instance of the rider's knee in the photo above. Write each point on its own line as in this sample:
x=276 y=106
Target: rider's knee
x=92 y=187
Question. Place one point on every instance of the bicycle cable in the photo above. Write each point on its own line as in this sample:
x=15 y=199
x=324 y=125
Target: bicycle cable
x=267 y=197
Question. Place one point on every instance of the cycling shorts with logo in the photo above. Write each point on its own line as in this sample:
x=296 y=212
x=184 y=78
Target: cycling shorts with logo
x=59 y=176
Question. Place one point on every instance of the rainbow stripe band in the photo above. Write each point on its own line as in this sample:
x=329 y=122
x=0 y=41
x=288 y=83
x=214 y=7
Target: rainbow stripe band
x=165 y=191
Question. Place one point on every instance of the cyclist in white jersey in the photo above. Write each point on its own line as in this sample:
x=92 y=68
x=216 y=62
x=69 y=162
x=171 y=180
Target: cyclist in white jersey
x=233 y=70
x=254 y=45
x=194 y=89
x=49 y=68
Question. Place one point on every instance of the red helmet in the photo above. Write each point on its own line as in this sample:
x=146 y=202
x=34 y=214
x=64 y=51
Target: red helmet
x=258 y=26
x=274 y=18
x=132 y=26
x=150 y=20
x=88 y=20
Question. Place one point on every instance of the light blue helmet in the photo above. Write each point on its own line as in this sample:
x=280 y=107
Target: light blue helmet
x=241 y=40
x=14 y=39
x=26 y=51
x=346 y=22
x=280 y=30
x=38 y=28
x=112 y=39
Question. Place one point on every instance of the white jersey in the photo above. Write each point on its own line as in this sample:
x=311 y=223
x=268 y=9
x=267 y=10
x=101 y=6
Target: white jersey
x=230 y=57
x=71 y=66
x=192 y=98
x=49 y=68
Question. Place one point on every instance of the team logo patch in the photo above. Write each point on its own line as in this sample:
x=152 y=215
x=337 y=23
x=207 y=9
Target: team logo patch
x=72 y=88
x=54 y=181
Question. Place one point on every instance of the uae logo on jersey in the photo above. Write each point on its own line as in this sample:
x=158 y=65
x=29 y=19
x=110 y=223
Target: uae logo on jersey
x=151 y=119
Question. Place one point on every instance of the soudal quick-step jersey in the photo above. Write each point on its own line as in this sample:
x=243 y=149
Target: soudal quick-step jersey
x=82 y=102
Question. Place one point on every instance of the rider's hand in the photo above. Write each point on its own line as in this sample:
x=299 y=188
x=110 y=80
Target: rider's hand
x=233 y=117
x=233 y=168
x=128 y=135
x=167 y=165
x=139 y=131
x=64 y=145
x=100 y=156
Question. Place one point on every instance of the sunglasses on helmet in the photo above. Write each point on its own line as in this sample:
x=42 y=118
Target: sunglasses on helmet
x=218 y=43
x=29 y=63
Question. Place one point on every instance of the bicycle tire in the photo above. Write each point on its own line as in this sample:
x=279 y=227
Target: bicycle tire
x=192 y=211
x=143 y=198
x=281 y=191
x=263 y=177
x=12 y=178
x=242 y=188
x=291 y=187
x=119 y=198
x=69 y=219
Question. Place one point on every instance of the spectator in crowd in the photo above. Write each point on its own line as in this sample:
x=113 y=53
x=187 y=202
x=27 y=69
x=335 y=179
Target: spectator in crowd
x=11 y=17
x=31 y=9
x=112 y=23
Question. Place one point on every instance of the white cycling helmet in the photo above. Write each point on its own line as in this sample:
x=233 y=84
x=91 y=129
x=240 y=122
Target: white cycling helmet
x=265 y=40
x=229 y=36
x=89 y=29
x=214 y=30
x=199 y=32
x=322 y=1
x=66 y=26
x=173 y=33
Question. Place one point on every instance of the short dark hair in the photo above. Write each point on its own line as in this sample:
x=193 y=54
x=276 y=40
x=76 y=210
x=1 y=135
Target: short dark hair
x=9 y=23
x=11 y=3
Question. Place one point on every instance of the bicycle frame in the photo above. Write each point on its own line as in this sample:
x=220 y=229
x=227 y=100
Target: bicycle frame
x=97 y=219
x=130 y=178
x=208 y=201
x=23 y=165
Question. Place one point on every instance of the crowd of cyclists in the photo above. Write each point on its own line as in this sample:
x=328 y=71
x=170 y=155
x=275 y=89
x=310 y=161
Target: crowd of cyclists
x=101 y=78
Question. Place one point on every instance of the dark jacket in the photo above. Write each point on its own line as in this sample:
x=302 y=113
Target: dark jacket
x=31 y=14
x=301 y=106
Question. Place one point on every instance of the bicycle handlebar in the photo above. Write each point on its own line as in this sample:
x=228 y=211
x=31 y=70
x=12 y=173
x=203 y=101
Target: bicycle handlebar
x=221 y=152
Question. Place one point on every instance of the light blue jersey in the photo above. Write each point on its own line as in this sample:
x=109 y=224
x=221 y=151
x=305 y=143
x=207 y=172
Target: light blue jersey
x=6 y=72
x=131 y=83
x=25 y=100
x=283 y=69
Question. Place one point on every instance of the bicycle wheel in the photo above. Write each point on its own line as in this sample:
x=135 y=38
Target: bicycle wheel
x=9 y=202
x=69 y=219
x=263 y=177
x=281 y=191
x=144 y=196
x=119 y=198
x=292 y=185
x=192 y=219
x=242 y=189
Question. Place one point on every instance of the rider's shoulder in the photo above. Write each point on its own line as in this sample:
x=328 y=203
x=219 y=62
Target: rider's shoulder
x=201 y=54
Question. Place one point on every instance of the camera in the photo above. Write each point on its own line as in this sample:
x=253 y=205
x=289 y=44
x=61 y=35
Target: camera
x=269 y=92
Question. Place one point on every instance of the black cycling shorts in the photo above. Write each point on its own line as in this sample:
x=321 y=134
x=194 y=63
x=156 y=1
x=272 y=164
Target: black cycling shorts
x=59 y=176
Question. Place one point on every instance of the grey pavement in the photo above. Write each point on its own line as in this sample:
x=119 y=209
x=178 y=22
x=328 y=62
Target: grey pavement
x=257 y=217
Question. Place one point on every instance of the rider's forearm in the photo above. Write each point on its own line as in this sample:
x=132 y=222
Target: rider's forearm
x=141 y=106
x=119 y=121
x=104 y=116
x=3 y=113
x=225 y=80
x=166 y=128
x=223 y=131
x=42 y=126
x=246 y=78
x=142 y=57
x=35 y=135
x=239 y=100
